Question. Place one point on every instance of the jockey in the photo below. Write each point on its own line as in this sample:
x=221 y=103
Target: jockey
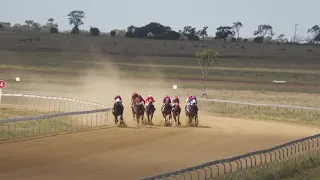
x=190 y=99
x=175 y=100
x=149 y=98
x=164 y=100
x=140 y=99
x=114 y=101
x=133 y=97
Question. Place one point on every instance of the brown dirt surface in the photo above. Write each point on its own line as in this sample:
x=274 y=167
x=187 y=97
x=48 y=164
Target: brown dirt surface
x=132 y=153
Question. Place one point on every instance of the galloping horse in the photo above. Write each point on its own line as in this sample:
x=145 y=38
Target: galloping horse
x=176 y=110
x=118 y=111
x=193 y=113
x=166 y=110
x=150 y=111
x=138 y=111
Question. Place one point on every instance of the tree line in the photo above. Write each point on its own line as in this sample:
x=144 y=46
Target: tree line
x=155 y=30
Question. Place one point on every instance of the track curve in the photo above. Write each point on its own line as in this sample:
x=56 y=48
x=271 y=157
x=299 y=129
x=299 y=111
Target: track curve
x=133 y=153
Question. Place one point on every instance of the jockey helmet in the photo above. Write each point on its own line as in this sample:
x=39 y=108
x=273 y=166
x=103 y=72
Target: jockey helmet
x=190 y=97
x=176 y=97
x=134 y=94
x=167 y=96
x=150 y=96
x=139 y=96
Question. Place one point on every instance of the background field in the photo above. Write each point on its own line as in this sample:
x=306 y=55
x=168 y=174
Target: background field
x=98 y=68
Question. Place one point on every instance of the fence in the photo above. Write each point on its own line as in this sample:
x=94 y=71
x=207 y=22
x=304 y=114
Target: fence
x=248 y=164
x=57 y=115
x=289 y=113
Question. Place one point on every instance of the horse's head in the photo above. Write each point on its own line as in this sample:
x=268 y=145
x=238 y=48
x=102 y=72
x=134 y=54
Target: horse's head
x=176 y=105
x=118 y=101
x=193 y=102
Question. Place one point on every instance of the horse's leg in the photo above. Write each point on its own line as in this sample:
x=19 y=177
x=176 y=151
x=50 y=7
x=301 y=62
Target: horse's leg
x=151 y=118
x=196 y=122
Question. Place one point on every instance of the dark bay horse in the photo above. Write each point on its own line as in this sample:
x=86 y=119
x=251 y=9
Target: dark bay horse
x=138 y=111
x=192 y=113
x=150 y=111
x=118 y=111
x=176 y=110
x=166 y=111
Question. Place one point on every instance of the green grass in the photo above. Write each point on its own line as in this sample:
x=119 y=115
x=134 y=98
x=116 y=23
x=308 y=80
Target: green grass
x=32 y=128
x=308 y=169
x=9 y=112
x=287 y=115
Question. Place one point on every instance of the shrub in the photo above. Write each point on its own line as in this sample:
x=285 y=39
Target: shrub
x=258 y=39
x=75 y=30
x=54 y=30
x=94 y=31
x=113 y=33
x=129 y=34
x=233 y=39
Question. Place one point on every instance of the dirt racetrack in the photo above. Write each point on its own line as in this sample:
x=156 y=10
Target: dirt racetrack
x=133 y=153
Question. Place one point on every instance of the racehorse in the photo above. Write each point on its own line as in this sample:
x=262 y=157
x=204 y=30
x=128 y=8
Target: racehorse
x=150 y=111
x=193 y=113
x=138 y=111
x=176 y=110
x=118 y=111
x=166 y=110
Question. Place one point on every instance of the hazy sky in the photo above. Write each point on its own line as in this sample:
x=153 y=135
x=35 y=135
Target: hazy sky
x=108 y=15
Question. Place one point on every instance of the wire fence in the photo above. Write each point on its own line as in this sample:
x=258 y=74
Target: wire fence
x=280 y=112
x=248 y=165
x=57 y=115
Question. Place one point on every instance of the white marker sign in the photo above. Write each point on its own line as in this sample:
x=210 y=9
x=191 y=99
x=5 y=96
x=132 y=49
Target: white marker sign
x=175 y=87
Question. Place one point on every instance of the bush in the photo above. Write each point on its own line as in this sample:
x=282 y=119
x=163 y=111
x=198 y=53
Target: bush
x=54 y=30
x=258 y=39
x=129 y=34
x=94 y=31
x=113 y=33
x=233 y=39
x=75 y=30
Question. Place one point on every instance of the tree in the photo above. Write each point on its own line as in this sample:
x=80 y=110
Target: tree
x=263 y=30
x=76 y=19
x=94 y=31
x=314 y=31
x=206 y=58
x=203 y=33
x=317 y=38
x=113 y=33
x=223 y=32
x=54 y=30
x=36 y=27
x=190 y=33
x=50 y=23
x=236 y=28
x=280 y=38
x=157 y=30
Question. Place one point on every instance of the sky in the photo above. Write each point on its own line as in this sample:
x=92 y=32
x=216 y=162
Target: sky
x=108 y=15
